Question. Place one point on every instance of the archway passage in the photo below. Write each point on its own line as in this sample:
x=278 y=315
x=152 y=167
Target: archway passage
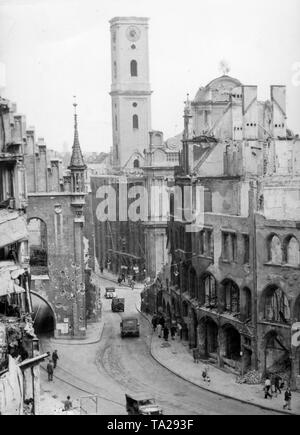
x=232 y=343
x=277 y=357
x=208 y=338
x=43 y=316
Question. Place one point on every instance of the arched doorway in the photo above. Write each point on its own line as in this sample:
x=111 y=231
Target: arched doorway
x=231 y=343
x=208 y=338
x=277 y=356
x=43 y=315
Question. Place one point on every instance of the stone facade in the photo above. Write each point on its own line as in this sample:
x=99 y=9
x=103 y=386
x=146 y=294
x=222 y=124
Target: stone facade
x=59 y=250
x=130 y=90
x=14 y=261
x=233 y=281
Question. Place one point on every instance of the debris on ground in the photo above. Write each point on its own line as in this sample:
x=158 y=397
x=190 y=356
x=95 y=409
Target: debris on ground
x=252 y=377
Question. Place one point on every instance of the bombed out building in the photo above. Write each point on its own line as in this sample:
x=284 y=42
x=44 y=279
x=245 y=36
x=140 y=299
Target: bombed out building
x=58 y=247
x=19 y=346
x=233 y=280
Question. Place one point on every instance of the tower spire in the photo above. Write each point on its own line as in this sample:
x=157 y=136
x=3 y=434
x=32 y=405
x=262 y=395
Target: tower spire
x=77 y=161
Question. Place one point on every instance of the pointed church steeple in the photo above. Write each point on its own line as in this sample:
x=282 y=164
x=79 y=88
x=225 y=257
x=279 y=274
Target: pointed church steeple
x=77 y=161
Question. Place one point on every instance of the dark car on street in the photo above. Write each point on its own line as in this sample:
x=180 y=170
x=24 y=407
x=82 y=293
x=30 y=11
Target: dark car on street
x=130 y=326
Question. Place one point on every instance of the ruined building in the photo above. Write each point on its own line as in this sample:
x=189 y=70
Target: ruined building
x=233 y=279
x=58 y=249
x=19 y=349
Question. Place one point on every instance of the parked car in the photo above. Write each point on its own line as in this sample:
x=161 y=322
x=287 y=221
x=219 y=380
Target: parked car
x=140 y=404
x=110 y=292
x=130 y=327
x=118 y=305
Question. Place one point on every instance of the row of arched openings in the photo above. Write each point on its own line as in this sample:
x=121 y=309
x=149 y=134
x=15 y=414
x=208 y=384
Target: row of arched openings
x=287 y=252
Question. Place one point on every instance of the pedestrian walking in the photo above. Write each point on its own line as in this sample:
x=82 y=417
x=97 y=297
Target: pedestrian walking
x=173 y=329
x=159 y=330
x=101 y=269
x=162 y=321
x=166 y=333
x=179 y=330
x=196 y=355
x=267 y=388
x=204 y=374
x=55 y=358
x=50 y=370
x=288 y=399
x=277 y=384
x=154 y=322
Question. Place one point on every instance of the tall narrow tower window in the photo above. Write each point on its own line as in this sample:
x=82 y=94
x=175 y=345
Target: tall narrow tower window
x=135 y=122
x=133 y=68
x=115 y=69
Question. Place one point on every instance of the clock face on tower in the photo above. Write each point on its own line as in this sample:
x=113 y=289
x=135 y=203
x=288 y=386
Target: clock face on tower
x=133 y=33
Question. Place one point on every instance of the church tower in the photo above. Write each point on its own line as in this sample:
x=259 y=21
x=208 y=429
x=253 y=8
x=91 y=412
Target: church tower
x=130 y=90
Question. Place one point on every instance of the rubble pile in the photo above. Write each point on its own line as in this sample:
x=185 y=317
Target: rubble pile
x=251 y=378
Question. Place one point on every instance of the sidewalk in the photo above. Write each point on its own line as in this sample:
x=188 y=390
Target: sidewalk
x=178 y=359
x=93 y=335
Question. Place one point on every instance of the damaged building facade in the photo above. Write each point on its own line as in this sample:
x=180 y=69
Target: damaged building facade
x=58 y=249
x=19 y=348
x=233 y=281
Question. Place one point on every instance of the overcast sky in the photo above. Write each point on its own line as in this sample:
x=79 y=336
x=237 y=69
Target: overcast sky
x=53 y=49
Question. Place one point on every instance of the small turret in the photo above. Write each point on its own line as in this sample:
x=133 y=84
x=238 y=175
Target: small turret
x=77 y=165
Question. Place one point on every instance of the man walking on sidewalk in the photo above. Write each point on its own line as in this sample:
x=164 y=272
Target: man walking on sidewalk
x=159 y=328
x=166 y=333
x=267 y=388
x=288 y=399
x=50 y=371
x=277 y=384
x=55 y=358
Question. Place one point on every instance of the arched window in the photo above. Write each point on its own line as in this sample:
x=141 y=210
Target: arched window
x=275 y=250
x=232 y=297
x=135 y=122
x=277 y=308
x=292 y=254
x=133 y=68
x=210 y=291
x=136 y=163
x=37 y=230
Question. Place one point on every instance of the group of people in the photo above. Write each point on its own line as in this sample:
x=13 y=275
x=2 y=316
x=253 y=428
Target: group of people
x=52 y=364
x=131 y=280
x=274 y=385
x=164 y=328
